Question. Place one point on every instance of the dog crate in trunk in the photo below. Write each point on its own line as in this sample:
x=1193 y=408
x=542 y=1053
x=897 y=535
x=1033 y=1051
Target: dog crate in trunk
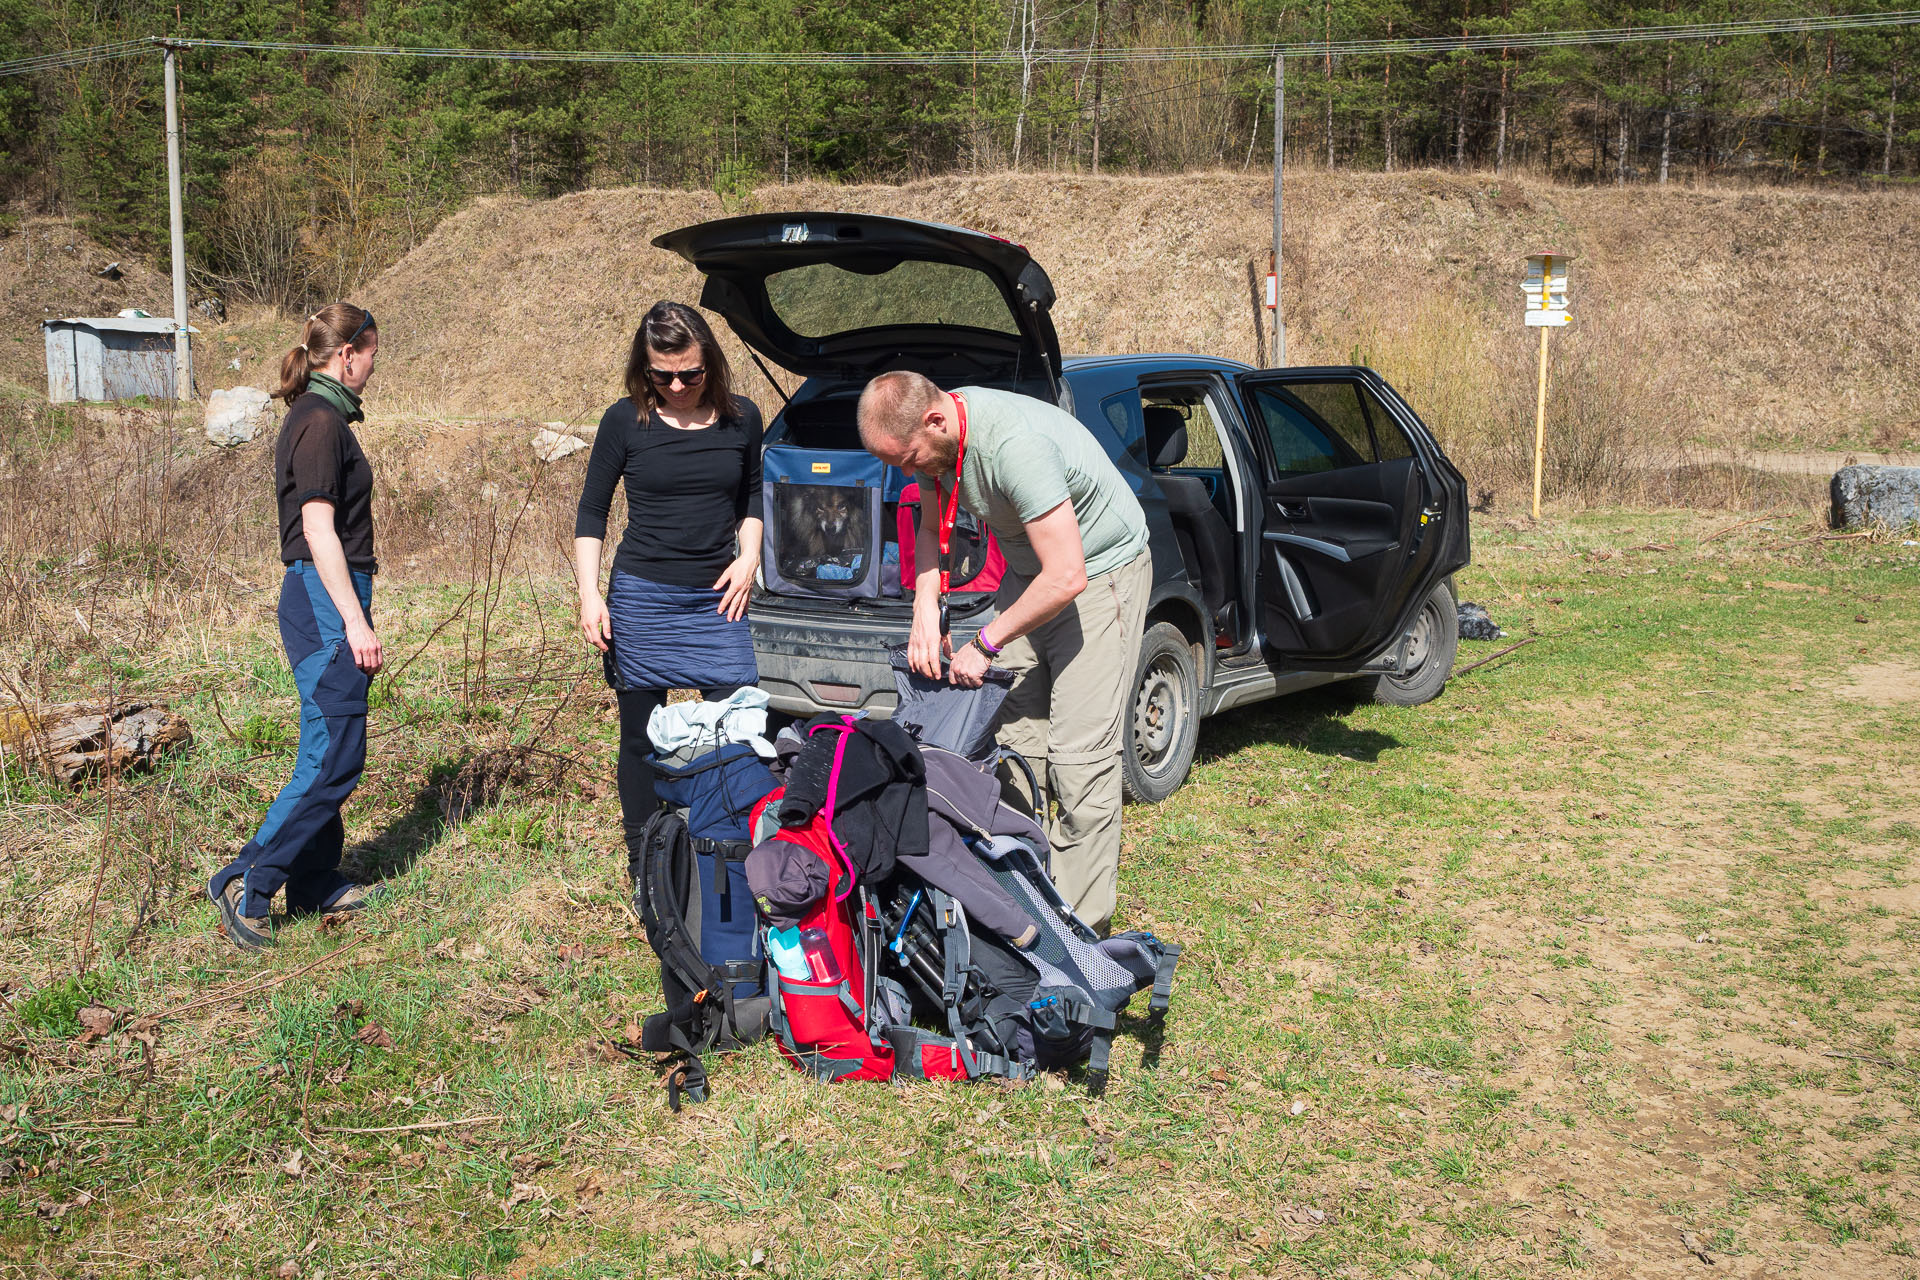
x=824 y=531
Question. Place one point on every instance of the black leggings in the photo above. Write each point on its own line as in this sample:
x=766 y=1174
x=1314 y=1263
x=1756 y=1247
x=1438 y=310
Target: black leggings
x=638 y=800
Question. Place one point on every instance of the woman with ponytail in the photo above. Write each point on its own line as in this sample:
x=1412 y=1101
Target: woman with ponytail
x=325 y=491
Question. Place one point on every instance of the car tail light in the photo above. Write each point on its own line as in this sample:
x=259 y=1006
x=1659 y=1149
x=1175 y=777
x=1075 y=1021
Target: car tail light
x=845 y=695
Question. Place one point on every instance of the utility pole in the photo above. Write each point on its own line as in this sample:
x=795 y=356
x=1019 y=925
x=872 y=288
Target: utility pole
x=1279 y=147
x=182 y=356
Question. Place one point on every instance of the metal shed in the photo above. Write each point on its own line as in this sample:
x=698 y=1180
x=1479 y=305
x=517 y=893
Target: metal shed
x=110 y=358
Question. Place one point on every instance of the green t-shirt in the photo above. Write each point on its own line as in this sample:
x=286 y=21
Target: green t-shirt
x=1024 y=458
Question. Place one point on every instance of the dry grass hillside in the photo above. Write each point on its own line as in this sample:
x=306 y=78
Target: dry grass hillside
x=1729 y=317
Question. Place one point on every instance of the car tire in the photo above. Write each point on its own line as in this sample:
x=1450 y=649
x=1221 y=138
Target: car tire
x=1163 y=716
x=1436 y=639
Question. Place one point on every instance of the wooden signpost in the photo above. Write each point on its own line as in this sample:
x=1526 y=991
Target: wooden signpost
x=1546 y=292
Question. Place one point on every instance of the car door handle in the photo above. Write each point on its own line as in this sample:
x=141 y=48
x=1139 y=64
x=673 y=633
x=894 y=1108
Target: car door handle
x=1292 y=510
x=1325 y=548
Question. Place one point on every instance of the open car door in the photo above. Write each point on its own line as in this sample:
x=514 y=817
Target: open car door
x=1362 y=515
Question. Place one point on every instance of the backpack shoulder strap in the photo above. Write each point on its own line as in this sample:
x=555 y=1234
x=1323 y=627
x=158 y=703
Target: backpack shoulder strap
x=666 y=865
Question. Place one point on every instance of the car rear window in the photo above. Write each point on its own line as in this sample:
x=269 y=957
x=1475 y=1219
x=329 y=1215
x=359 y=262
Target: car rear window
x=822 y=298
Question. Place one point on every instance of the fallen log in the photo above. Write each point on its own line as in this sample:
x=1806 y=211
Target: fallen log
x=76 y=741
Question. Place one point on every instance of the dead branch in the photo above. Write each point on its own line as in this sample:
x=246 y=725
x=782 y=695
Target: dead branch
x=1490 y=657
x=1827 y=537
x=1714 y=537
x=255 y=986
x=412 y=1128
x=1876 y=1061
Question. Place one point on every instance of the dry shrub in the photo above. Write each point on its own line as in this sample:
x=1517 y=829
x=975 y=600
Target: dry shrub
x=1617 y=416
x=113 y=529
x=485 y=779
x=1617 y=413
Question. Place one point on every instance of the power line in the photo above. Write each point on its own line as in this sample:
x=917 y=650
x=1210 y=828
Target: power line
x=76 y=57
x=1006 y=57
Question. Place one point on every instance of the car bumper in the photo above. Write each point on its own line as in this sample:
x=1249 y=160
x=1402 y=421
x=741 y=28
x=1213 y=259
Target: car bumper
x=820 y=663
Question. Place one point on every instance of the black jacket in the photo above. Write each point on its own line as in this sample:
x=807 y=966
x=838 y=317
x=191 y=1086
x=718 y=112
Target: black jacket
x=880 y=805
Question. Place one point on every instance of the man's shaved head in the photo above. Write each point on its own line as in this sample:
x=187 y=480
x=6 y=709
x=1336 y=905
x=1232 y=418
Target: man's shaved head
x=893 y=406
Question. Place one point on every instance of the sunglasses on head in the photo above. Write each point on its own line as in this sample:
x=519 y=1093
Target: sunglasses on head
x=365 y=325
x=688 y=377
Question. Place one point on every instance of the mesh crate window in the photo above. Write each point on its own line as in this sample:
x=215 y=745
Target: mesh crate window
x=823 y=532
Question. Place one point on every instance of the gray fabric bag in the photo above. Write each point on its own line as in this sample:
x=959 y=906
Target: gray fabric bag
x=945 y=715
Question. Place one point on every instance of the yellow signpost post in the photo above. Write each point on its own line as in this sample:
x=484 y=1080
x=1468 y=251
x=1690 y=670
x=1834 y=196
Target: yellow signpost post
x=1546 y=292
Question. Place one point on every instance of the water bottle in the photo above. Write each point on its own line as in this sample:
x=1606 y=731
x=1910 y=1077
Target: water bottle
x=783 y=948
x=821 y=965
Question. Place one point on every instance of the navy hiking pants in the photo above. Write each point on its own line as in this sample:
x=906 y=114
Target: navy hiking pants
x=298 y=845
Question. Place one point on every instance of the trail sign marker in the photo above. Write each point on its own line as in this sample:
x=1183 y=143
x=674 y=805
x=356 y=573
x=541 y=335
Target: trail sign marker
x=1546 y=290
x=1545 y=287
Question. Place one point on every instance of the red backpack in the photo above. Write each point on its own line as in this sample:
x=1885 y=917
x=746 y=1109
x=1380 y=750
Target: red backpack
x=822 y=1027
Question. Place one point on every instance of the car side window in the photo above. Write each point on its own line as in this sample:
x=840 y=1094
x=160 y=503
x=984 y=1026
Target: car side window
x=1390 y=439
x=1203 y=437
x=1314 y=426
x=1122 y=413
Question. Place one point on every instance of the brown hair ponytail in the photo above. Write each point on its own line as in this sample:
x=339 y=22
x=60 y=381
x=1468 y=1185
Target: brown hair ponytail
x=326 y=331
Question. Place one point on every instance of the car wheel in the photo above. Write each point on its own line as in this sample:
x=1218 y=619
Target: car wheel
x=1163 y=723
x=1435 y=639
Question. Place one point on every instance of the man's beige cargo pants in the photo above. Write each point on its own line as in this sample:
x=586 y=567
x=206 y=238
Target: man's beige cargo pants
x=1068 y=715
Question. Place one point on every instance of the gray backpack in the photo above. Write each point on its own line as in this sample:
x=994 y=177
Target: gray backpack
x=1003 y=1009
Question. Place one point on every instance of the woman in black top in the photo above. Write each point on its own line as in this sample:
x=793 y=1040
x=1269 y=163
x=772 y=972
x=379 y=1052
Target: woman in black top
x=675 y=613
x=325 y=490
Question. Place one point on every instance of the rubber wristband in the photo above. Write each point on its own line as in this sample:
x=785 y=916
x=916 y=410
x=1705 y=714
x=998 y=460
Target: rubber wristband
x=987 y=646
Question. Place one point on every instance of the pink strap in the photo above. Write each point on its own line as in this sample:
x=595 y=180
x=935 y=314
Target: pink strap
x=845 y=730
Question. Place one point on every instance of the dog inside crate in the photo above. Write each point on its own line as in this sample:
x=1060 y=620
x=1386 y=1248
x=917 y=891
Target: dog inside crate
x=825 y=532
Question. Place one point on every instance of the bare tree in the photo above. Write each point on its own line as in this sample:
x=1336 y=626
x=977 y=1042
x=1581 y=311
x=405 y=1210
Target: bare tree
x=1666 y=118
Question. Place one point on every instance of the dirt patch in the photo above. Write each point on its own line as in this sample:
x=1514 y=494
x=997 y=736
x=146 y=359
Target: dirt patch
x=1666 y=1105
x=1882 y=684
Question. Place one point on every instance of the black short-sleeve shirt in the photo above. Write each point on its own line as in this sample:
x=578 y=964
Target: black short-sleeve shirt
x=687 y=491
x=318 y=456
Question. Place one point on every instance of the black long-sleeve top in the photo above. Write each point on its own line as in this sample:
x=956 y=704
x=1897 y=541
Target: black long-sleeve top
x=687 y=491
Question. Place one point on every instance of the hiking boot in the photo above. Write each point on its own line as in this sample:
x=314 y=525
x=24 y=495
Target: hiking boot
x=353 y=897
x=249 y=933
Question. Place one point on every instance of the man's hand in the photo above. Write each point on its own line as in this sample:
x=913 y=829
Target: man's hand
x=969 y=669
x=925 y=645
x=365 y=646
x=735 y=584
x=593 y=621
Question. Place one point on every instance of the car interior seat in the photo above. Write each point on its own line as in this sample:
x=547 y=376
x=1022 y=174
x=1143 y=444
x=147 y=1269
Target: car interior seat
x=1192 y=509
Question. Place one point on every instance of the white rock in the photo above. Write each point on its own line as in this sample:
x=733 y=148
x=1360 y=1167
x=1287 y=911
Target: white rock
x=551 y=446
x=237 y=415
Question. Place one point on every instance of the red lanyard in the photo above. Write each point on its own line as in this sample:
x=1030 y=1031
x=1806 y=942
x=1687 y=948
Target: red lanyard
x=948 y=504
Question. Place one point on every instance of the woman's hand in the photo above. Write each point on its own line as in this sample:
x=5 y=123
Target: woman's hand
x=365 y=646
x=593 y=621
x=736 y=584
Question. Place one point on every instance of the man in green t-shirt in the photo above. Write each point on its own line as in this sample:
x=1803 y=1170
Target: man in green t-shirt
x=1069 y=611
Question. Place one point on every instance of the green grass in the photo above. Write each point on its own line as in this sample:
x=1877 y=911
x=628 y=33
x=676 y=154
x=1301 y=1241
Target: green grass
x=1557 y=965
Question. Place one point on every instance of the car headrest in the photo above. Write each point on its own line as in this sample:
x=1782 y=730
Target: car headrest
x=1166 y=436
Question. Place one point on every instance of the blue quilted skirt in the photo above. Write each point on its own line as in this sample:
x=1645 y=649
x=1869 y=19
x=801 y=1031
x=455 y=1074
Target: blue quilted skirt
x=668 y=637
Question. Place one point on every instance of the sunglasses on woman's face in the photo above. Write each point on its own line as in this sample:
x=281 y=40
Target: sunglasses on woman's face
x=686 y=377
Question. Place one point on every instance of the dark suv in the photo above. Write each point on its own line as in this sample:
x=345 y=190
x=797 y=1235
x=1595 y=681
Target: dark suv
x=1303 y=521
